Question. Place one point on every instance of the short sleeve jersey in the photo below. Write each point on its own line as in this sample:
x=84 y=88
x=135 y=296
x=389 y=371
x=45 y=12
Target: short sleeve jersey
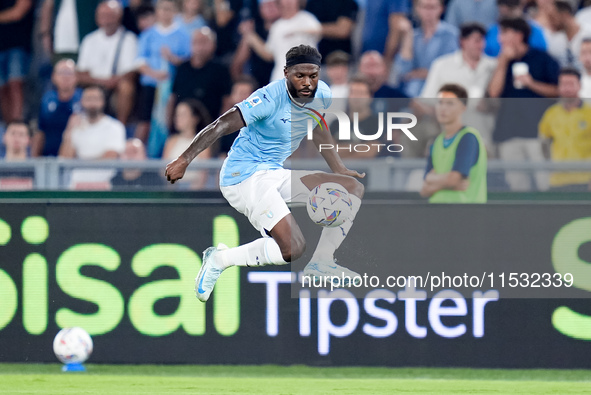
x=275 y=126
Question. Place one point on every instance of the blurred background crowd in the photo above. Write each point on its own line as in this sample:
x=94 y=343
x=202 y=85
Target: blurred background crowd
x=137 y=79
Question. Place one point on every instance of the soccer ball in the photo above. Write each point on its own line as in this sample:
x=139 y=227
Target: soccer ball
x=329 y=205
x=72 y=345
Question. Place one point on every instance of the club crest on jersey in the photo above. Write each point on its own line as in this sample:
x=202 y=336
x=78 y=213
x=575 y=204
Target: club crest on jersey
x=255 y=101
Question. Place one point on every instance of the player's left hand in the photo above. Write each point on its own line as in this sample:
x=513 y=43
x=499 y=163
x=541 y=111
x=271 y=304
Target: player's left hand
x=175 y=170
x=352 y=173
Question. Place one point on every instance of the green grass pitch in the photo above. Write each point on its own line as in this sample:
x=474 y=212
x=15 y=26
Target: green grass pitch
x=192 y=379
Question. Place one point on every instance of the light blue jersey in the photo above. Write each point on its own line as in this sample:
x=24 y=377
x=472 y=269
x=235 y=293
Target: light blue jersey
x=270 y=136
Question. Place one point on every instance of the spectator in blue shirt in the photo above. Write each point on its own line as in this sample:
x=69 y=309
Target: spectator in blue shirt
x=460 y=12
x=421 y=46
x=56 y=107
x=190 y=18
x=382 y=27
x=161 y=48
x=513 y=9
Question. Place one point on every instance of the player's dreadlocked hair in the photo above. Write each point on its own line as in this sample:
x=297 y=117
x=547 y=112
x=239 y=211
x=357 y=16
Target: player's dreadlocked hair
x=300 y=53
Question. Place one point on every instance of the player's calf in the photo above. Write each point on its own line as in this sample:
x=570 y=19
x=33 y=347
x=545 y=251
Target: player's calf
x=289 y=237
x=294 y=250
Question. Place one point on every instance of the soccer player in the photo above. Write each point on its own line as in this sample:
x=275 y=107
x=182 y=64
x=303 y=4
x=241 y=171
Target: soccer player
x=456 y=168
x=254 y=182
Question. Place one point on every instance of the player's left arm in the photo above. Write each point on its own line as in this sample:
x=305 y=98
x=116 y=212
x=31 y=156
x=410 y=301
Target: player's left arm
x=332 y=158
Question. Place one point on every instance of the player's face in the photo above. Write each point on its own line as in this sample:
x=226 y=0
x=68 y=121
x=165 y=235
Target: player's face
x=302 y=80
x=449 y=108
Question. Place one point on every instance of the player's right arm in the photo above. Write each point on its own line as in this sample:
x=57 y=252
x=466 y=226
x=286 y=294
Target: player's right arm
x=230 y=122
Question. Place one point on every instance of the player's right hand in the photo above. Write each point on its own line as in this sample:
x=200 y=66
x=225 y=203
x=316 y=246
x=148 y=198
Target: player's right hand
x=175 y=170
x=352 y=173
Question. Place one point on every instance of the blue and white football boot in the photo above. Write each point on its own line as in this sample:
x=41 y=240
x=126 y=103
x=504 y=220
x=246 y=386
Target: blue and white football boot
x=338 y=275
x=209 y=273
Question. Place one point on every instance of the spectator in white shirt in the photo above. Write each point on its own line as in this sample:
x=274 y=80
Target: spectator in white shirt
x=295 y=27
x=565 y=45
x=585 y=59
x=93 y=136
x=469 y=67
x=584 y=15
x=107 y=58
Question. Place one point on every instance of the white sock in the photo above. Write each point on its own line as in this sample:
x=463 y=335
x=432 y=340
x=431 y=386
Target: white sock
x=331 y=238
x=263 y=251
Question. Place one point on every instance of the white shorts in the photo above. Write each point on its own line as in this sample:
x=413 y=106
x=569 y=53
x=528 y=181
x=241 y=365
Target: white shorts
x=263 y=196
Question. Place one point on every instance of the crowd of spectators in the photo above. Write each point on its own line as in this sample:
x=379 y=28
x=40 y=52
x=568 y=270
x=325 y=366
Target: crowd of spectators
x=136 y=79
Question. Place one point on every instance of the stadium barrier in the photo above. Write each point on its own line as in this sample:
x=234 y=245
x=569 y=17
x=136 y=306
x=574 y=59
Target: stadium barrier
x=125 y=272
x=383 y=174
